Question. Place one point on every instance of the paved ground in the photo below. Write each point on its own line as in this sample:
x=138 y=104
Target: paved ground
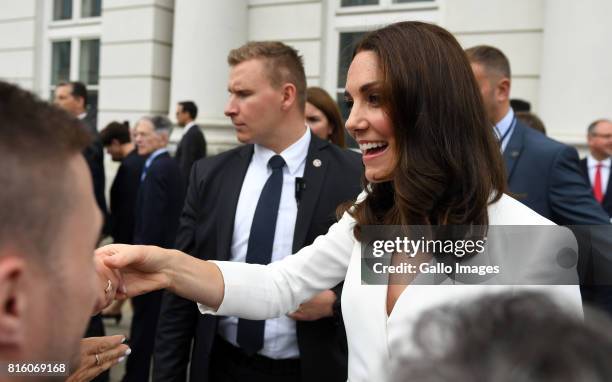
x=123 y=328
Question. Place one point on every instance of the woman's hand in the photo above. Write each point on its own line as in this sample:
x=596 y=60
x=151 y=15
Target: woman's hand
x=97 y=355
x=109 y=281
x=141 y=268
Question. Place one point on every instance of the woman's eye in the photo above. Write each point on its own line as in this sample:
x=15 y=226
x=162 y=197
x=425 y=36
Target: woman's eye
x=374 y=99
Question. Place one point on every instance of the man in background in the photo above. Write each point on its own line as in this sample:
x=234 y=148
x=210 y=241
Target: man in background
x=193 y=144
x=158 y=207
x=596 y=166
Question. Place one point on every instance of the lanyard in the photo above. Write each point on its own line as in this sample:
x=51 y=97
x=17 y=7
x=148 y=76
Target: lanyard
x=501 y=139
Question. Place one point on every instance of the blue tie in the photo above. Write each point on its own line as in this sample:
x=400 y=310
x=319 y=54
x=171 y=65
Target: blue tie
x=259 y=251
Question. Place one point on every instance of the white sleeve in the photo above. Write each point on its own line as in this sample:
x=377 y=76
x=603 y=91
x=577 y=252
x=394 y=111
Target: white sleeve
x=259 y=292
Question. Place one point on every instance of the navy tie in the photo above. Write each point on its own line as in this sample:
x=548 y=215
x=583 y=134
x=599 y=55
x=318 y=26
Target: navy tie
x=259 y=251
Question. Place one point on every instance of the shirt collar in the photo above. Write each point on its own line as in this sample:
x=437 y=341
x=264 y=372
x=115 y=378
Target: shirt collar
x=82 y=115
x=502 y=126
x=592 y=162
x=188 y=126
x=154 y=155
x=293 y=155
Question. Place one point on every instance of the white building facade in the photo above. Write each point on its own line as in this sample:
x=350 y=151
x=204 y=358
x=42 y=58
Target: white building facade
x=140 y=57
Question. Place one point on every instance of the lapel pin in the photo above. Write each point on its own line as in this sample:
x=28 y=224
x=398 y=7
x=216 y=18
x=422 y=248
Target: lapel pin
x=316 y=163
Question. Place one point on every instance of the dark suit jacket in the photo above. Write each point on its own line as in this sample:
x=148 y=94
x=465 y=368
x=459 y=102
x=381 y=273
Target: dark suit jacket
x=206 y=232
x=159 y=202
x=191 y=148
x=94 y=155
x=544 y=175
x=123 y=195
x=607 y=200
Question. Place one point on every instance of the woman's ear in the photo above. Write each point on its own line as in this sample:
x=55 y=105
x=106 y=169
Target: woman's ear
x=12 y=301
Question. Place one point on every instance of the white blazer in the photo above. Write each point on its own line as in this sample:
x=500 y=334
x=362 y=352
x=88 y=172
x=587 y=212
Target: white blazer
x=264 y=291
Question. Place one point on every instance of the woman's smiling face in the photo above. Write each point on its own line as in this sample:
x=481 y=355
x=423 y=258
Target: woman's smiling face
x=368 y=122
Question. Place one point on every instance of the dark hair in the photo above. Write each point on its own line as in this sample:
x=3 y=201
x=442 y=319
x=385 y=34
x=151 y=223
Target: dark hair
x=593 y=125
x=283 y=64
x=507 y=337
x=36 y=140
x=531 y=120
x=320 y=99
x=78 y=90
x=491 y=58
x=115 y=130
x=189 y=107
x=449 y=166
x=518 y=104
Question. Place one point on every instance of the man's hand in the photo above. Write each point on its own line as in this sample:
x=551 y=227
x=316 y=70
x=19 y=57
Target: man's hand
x=320 y=306
x=141 y=268
x=97 y=355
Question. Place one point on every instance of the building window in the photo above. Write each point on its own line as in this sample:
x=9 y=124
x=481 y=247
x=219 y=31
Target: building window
x=409 y=1
x=356 y=3
x=60 y=62
x=62 y=9
x=73 y=9
x=89 y=61
x=91 y=8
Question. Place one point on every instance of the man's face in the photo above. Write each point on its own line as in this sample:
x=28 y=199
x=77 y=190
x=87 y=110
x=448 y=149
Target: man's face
x=65 y=100
x=64 y=293
x=487 y=90
x=254 y=105
x=600 y=141
x=182 y=117
x=147 y=140
x=115 y=151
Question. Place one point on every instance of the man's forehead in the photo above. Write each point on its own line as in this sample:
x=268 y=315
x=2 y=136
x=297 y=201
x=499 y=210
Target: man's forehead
x=247 y=72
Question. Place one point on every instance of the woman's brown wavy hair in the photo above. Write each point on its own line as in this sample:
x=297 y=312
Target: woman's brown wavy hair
x=449 y=163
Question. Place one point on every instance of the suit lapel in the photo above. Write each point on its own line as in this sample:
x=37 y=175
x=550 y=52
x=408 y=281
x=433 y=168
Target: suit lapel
x=513 y=149
x=233 y=178
x=315 y=169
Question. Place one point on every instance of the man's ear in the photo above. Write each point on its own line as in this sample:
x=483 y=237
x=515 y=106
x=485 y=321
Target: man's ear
x=12 y=300
x=502 y=91
x=289 y=94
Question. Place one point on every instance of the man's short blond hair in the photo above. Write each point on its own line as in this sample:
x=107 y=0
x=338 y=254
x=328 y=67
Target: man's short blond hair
x=285 y=65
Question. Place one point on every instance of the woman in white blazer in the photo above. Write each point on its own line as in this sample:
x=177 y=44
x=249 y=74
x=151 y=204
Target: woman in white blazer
x=430 y=158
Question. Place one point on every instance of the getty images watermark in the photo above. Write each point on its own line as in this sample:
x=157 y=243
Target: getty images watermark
x=495 y=255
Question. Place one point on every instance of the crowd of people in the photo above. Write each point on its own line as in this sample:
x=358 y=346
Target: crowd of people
x=246 y=265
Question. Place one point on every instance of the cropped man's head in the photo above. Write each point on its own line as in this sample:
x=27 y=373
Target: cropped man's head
x=599 y=138
x=72 y=97
x=186 y=111
x=492 y=71
x=267 y=83
x=49 y=227
x=152 y=133
x=114 y=136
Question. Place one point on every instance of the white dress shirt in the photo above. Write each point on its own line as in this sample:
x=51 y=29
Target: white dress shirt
x=505 y=128
x=188 y=126
x=258 y=291
x=605 y=172
x=280 y=340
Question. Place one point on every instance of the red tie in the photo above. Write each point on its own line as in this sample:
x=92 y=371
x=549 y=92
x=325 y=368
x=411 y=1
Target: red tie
x=597 y=183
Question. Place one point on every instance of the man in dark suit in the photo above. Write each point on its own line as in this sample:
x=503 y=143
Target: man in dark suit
x=72 y=97
x=596 y=166
x=193 y=144
x=222 y=219
x=158 y=207
x=542 y=173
